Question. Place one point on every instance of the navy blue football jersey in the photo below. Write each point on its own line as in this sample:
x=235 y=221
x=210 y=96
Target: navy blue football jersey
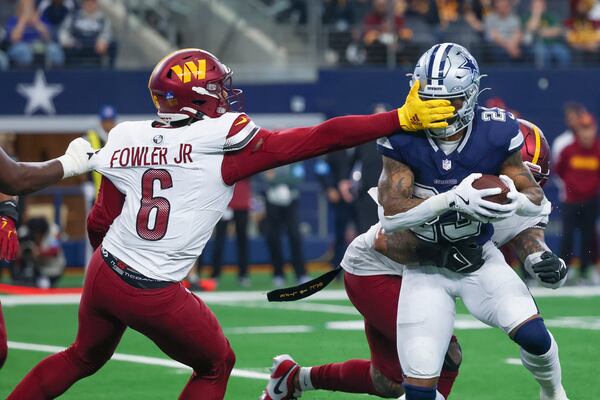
x=492 y=137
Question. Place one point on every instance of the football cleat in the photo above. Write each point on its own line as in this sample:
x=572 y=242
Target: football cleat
x=281 y=384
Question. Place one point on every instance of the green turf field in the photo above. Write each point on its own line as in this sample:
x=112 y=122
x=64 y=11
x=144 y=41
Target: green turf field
x=255 y=330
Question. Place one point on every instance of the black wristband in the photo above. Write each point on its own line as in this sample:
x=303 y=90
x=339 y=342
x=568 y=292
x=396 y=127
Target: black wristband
x=9 y=209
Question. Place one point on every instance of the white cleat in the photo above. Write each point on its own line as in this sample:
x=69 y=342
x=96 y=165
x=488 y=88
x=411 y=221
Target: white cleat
x=281 y=384
x=560 y=395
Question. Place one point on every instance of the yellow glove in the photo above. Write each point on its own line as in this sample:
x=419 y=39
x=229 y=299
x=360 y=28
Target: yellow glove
x=417 y=114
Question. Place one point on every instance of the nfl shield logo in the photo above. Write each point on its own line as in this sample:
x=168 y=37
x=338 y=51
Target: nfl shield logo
x=446 y=165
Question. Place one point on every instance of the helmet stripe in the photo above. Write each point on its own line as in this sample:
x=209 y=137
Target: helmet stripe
x=538 y=144
x=443 y=63
x=430 y=66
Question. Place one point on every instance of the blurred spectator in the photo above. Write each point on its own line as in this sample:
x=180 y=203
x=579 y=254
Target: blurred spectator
x=333 y=175
x=475 y=12
x=578 y=166
x=4 y=62
x=87 y=38
x=238 y=210
x=454 y=26
x=281 y=199
x=545 y=34
x=29 y=35
x=572 y=111
x=384 y=32
x=503 y=30
x=41 y=253
x=583 y=33
x=54 y=12
x=422 y=19
x=97 y=136
x=338 y=18
x=364 y=174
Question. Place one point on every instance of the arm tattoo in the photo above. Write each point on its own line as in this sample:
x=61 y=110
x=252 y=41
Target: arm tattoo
x=514 y=168
x=396 y=187
x=530 y=241
x=384 y=386
x=405 y=248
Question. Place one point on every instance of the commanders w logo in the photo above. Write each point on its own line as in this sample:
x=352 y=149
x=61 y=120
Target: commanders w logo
x=190 y=69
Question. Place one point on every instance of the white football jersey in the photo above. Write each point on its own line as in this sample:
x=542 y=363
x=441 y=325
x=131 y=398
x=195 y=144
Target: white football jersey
x=362 y=259
x=175 y=194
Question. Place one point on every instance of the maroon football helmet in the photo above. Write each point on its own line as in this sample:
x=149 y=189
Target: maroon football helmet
x=191 y=83
x=535 y=151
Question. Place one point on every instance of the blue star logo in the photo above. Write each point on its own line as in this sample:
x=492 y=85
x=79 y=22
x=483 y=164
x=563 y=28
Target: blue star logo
x=469 y=65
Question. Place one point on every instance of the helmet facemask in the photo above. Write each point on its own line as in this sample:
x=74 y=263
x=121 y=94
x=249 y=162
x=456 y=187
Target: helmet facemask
x=463 y=117
x=449 y=71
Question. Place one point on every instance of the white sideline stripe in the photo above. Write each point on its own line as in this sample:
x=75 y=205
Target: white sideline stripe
x=162 y=362
x=259 y=296
x=253 y=330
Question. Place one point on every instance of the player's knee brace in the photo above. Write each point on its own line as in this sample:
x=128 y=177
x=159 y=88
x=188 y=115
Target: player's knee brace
x=533 y=337
x=419 y=393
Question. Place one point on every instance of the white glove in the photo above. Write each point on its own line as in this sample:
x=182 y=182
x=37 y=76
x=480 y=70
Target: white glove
x=77 y=159
x=524 y=206
x=470 y=201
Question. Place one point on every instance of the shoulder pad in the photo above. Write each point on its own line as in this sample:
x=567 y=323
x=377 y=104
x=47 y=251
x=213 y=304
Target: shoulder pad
x=241 y=132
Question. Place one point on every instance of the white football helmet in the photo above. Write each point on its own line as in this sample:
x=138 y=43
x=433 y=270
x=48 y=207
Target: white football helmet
x=449 y=71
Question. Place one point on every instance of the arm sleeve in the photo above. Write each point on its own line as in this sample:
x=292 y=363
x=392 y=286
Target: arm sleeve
x=107 y=207
x=416 y=216
x=270 y=149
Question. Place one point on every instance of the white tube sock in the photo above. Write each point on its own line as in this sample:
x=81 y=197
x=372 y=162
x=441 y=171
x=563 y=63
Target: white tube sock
x=545 y=369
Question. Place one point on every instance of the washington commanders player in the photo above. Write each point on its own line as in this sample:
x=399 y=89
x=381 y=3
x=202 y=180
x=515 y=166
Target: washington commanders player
x=25 y=177
x=373 y=265
x=165 y=185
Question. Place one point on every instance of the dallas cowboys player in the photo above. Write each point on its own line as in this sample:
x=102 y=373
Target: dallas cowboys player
x=426 y=186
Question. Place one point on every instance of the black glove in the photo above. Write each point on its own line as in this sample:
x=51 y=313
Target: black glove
x=548 y=267
x=464 y=256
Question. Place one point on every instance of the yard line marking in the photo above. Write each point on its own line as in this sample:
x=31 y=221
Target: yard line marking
x=253 y=330
x=466 y=321
x=298 y=306
x=43 y=348
x=260 y=296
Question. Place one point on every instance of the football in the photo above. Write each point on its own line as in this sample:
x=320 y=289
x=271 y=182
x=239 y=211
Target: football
x=492 y=181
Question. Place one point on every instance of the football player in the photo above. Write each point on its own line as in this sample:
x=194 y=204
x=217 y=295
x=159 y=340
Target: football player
x=25 y=177
x=373 y=265
x=165 y=185
x=429 y=191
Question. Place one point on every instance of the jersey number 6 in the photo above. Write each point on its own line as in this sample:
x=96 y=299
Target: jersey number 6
x=150 y=203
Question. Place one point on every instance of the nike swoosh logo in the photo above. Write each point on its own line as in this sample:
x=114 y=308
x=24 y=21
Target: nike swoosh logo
x=464 y=201
x=457 y=258
x=281 y=380
x=243 y=120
